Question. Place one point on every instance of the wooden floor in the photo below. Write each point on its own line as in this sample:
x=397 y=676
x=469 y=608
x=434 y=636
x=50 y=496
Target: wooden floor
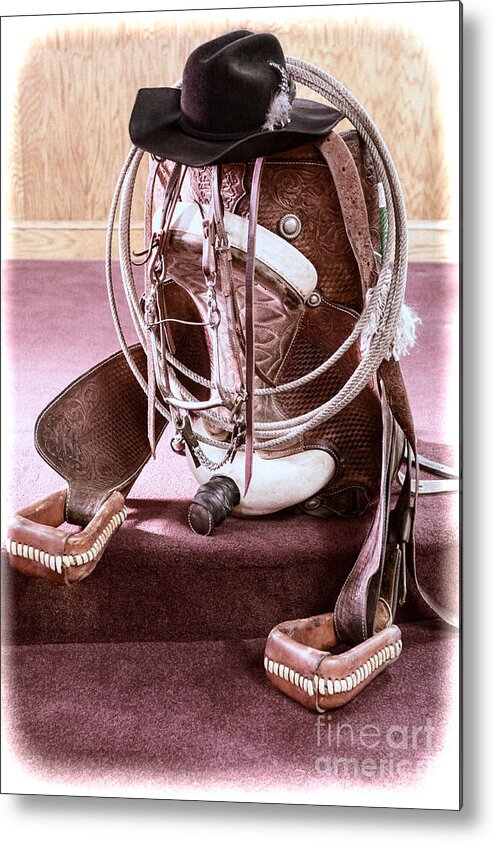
x=428 y=240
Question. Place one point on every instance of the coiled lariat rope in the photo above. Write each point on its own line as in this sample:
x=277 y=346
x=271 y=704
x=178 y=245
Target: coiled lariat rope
x=379 y=324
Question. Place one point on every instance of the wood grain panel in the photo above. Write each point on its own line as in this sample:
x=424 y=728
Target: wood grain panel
x=77 y=86
x=86 y=241
x=64 y=241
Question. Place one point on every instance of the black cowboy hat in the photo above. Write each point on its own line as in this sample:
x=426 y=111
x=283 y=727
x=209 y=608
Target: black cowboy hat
x=236 y=102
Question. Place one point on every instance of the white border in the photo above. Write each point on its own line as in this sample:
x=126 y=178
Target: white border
x=80 y=817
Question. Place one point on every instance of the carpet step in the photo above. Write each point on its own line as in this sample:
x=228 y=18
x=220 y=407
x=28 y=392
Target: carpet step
x=202 y=714
x=159 y=581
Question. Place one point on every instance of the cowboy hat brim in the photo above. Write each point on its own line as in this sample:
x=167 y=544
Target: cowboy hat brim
x=155 y=126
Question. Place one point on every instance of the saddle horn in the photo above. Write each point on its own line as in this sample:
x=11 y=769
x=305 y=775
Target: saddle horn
x=213 y=502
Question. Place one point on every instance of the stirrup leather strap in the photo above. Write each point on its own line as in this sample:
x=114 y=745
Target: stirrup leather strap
x=299 y=659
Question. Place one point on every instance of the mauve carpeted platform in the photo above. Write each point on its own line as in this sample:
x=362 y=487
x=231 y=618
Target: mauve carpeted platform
x=160 y=649
x=202 y=715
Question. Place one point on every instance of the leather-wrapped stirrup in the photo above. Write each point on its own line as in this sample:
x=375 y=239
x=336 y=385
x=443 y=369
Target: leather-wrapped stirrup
x=38 y=546
x=299 y=661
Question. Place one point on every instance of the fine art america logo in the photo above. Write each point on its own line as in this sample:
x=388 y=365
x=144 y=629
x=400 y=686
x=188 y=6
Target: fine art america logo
x=371 y=751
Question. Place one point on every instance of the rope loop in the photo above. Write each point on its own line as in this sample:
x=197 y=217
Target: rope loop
x=380 y=325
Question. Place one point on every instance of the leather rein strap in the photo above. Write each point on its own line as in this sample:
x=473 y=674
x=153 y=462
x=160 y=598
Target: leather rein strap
x=250 y=358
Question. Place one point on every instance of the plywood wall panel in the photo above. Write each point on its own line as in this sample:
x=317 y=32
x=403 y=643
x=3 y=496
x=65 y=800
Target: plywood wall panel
x=78 y=83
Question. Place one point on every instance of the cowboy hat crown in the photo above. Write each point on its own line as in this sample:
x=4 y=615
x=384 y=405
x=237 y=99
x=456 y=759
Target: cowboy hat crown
x=236 y=102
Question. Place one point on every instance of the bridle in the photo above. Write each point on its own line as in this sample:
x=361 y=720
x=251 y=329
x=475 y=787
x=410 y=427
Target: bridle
x=377 y=328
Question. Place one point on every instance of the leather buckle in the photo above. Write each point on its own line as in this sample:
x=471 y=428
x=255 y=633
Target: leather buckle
x=299 y=661
x=37 y=546
x=222 y=244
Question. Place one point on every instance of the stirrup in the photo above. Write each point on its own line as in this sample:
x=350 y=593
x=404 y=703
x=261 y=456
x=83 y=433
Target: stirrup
x=38 y=547
x=299 y=662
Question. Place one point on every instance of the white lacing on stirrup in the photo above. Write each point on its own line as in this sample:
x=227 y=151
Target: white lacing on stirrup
x=380 y=321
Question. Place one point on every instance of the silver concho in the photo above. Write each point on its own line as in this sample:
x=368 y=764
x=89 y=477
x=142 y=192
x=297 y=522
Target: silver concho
x=314 y=299
x=290 y=226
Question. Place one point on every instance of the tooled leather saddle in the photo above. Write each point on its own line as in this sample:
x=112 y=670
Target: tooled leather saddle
x=264 y=281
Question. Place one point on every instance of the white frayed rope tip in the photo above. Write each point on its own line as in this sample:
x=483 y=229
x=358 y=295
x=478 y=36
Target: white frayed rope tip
x=406 y=332
x=406 y=327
